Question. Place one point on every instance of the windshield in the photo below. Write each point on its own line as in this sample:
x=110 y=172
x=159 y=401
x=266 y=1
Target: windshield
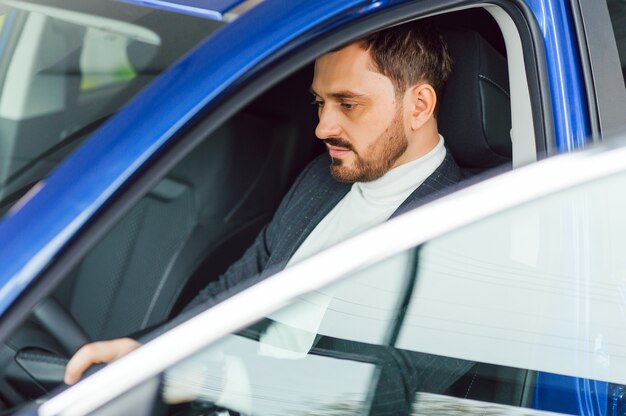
x=68 y=65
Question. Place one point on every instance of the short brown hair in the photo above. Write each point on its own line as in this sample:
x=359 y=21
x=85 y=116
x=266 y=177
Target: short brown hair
x=409 y=54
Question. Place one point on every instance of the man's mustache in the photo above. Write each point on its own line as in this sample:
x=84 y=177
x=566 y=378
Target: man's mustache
x=333 y=141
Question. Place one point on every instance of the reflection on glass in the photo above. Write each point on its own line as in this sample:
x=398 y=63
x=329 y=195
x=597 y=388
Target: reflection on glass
x=329 y=353
x=65 y=68
x=237 y=375
x=484 y=314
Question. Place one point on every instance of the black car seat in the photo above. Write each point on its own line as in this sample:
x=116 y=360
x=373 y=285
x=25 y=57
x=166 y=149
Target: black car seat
x=209 y=208
x=475 y=113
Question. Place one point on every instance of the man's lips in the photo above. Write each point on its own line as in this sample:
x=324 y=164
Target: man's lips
x=338 y=152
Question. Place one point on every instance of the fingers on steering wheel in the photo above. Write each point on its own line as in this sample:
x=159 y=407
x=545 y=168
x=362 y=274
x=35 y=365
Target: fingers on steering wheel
x=85 y=357
x=95 y=353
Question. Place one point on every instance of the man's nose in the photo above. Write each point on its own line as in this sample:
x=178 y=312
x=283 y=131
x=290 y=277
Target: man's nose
x=327 y=125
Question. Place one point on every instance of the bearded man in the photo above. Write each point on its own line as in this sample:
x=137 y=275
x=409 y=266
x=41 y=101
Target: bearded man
x=376 y=100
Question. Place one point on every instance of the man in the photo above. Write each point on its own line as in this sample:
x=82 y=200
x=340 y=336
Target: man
x=376 y=100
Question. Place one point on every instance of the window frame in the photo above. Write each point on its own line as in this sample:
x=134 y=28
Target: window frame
x=602 y=73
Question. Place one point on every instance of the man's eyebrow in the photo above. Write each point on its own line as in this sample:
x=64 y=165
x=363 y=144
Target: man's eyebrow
x=340 y=95
x=346 y=95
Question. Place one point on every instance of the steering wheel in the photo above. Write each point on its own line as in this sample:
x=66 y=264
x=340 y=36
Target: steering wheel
x=57 y=321
x=28 y=366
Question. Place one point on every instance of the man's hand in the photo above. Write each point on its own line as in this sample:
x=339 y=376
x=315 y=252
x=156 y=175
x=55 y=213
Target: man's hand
x=96 y=353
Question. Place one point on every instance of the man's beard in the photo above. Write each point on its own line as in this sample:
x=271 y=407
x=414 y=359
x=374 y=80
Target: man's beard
x=376 y=160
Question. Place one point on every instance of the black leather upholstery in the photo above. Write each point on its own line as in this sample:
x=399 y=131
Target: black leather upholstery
x=196 y=221
x=475 y=112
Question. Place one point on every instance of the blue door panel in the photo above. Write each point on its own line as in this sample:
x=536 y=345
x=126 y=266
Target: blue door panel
x=570 y=395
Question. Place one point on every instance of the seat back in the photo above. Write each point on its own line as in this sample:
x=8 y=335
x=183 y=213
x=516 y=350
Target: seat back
x=205 y=212
x=475 y=110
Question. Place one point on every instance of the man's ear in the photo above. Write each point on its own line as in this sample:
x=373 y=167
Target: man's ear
x=423 y=101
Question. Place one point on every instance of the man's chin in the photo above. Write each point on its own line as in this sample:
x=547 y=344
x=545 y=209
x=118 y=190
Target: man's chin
x=348 y=174
x=342 y=173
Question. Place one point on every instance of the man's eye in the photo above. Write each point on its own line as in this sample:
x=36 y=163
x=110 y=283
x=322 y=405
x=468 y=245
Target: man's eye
x=348 y=106
x=318 y=103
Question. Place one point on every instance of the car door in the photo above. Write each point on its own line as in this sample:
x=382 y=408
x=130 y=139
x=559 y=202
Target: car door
x=445 y=316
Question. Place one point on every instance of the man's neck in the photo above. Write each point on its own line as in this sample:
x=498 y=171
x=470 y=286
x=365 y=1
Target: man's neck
x=422 y=143
x=400 y=181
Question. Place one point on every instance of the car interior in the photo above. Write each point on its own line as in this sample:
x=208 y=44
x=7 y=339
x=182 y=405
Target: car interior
x=200 y=217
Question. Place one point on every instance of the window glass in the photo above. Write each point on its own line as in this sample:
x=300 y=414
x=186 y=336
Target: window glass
x=617 y=10
x=467 y=321
x=105 y=60
x=66 y=66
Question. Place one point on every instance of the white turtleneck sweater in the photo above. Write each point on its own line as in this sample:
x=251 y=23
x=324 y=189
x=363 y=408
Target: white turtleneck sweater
x=370 y=203
x=366 y=205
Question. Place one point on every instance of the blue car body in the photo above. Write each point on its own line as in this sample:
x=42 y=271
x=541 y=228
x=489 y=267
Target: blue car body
x=32 y=235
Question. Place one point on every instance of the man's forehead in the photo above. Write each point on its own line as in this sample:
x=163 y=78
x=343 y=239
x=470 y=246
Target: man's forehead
x=350 y=56
x=349 y=69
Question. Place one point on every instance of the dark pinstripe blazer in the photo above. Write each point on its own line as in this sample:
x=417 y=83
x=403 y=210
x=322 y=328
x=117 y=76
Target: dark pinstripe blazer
x=310 y=199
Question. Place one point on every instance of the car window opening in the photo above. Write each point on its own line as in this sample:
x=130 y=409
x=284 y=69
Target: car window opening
x=208 y=209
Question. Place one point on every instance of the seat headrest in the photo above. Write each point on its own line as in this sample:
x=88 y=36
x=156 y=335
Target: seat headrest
x=475 y=109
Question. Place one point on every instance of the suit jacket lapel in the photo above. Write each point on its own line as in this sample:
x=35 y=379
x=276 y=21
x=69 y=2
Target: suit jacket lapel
x=442 y=181
x=314 y=212
x=316 y=196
